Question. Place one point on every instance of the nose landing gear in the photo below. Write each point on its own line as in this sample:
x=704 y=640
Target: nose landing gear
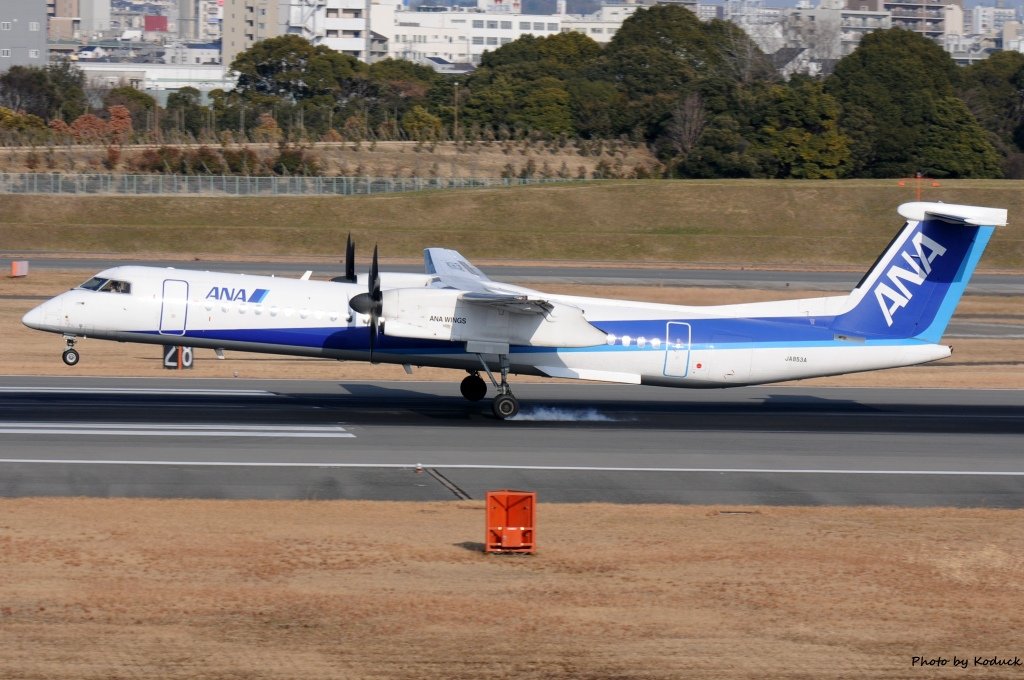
x=70 y=355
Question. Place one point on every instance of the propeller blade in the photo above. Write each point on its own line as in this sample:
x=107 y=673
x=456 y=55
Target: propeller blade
x=376 y=301
x=350 y=260
x=375 y=293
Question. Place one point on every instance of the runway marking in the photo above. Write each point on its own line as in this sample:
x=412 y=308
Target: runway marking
x=414 y=466
x=141 y=390
x=175 y=430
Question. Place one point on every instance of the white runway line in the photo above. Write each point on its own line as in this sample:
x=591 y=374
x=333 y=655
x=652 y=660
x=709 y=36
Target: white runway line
x=413 y=466
x=140 y=390
x=176 y=430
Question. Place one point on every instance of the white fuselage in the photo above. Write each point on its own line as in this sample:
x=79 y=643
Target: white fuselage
x=640 y=342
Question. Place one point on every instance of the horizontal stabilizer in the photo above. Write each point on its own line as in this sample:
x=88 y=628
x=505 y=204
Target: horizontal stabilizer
x=970 y=215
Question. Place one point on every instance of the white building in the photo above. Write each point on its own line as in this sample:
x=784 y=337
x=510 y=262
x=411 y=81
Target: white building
x=989 y=20
x=158 y=80
x=602 y=24
x=830 y=31
x=455 y=35
x=191 y=54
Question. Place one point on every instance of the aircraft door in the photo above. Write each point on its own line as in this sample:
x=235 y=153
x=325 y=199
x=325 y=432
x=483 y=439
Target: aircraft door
x=174 y=310
x=677 y=349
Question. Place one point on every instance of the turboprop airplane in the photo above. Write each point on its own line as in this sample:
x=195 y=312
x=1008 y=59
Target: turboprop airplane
x=453 y=316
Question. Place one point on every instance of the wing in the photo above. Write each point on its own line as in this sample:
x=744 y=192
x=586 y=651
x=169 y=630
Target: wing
x=463 y=305
x=453 y=271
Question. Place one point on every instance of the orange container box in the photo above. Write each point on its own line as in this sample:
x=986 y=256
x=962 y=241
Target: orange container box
x=511 y=522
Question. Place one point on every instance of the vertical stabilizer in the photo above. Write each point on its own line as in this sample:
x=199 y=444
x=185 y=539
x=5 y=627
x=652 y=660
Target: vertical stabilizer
x=914 y=287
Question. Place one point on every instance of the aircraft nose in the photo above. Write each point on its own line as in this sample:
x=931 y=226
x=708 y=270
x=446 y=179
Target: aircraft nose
x=43 y=317
x=34 y=317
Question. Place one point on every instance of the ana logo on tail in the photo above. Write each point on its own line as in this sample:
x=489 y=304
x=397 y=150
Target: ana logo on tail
x=889 y=300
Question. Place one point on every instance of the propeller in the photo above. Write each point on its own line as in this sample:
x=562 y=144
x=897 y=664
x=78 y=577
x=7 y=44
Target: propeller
x=371 y=303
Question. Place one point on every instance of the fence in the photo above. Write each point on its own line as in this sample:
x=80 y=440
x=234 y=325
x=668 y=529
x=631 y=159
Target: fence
x=140 y=185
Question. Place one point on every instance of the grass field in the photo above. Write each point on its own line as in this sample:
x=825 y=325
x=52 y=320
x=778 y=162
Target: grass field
x=104 y=589
x=767 y=223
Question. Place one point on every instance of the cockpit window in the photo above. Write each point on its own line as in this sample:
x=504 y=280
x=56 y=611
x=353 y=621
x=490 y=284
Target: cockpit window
x=113 y=286
x=107 y=285
x=95 y=283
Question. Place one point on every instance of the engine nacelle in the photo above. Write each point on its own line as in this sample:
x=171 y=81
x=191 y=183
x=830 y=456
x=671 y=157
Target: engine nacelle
x=438 y=314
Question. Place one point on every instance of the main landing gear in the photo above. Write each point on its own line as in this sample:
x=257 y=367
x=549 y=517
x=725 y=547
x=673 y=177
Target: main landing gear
x=70 y=355
x=473 y=387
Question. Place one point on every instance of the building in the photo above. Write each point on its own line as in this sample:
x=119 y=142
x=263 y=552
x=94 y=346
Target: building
x=64 y=22
x=342 y=25
x=92 y=53
x=831 y=31
x=602 y=24
x=95 y=18
x=192 y=53
x=989 y=20
x=927 y=17
x=158 y=80
x=457 y=35
x=247 y=22
x=22 y=34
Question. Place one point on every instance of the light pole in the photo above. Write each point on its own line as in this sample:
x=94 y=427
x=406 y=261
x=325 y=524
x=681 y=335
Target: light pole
x=455 y=127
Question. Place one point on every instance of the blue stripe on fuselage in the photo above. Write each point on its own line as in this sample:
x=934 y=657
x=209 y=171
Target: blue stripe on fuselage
x=705 y=333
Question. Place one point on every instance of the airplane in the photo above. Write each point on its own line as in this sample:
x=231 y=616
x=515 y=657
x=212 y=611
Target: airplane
x=454 y=316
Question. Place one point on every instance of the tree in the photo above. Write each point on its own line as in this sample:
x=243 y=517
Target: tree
x=993 y=90
x=119 y=126
x=290 y=68
x=686 y=126
x=54 y=91
x=139 y=104
x=796 y=133
x=421 y=125
x=185 y=113
x=894 y=89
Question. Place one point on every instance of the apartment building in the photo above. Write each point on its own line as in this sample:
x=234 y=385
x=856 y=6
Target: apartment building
x=927 y=17
x=342 y=25
x=456 y=35
x=22 y=34
x=604 y=23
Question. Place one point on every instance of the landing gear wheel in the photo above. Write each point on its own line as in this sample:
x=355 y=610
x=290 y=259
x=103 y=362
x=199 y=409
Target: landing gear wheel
x=505 y=406
x=473 y=387
x=70 y=356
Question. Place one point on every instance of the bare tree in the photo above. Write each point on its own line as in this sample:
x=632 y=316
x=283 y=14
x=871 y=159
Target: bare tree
x=687 y=125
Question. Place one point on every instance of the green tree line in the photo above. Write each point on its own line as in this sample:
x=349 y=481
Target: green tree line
x=700 y=94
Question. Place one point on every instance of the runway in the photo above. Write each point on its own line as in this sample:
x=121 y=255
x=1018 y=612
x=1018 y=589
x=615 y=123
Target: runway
x=572 y=442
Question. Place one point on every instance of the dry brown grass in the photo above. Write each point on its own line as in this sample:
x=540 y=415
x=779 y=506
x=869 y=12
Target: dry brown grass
x=825 y=224
x=213 y=589
x=392 y=159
